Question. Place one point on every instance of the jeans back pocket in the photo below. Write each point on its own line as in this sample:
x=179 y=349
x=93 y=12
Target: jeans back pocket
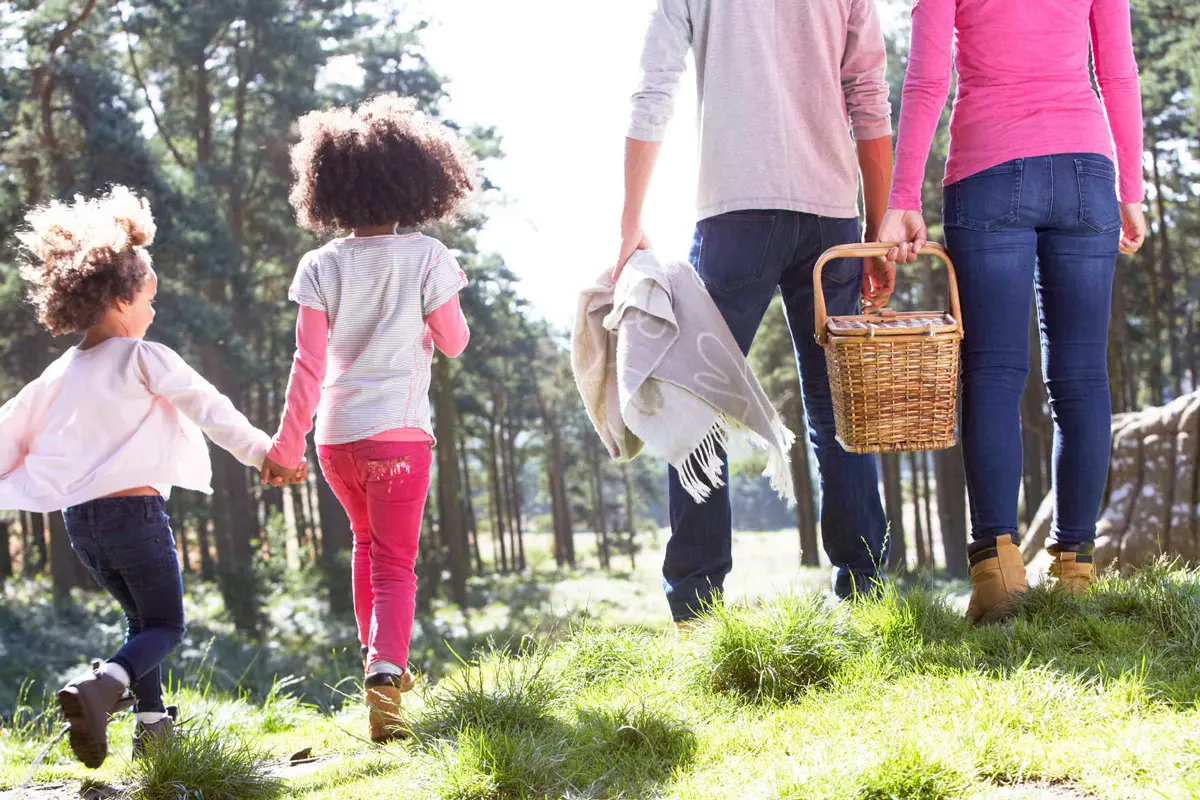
x=989 y=200
x=1098 y=207
x=733 y=248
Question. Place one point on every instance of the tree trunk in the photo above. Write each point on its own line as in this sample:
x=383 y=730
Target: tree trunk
x=336 y=543
x=893 y=494
x=62 y=571
x=599 y=517
x=514 y=491
x=630 y=522
x=453 y=528
x=498 y=527
x=208 y=570
x=806 y=506
x=469 y=505
x=6 y=560
x=926 y=492
x=918 y=526
x=236 y=536
x=952 y=509
x=37 y=551
x=1167 y=276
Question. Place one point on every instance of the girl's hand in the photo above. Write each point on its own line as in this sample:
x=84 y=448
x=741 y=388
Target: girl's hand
x=1133 y=228
x=905 y=229
x=275 y=475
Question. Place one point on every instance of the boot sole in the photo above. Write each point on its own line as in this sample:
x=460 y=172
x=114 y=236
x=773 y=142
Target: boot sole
x=83 y=742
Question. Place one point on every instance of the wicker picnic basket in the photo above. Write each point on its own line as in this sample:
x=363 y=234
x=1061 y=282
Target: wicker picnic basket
x=893 y=376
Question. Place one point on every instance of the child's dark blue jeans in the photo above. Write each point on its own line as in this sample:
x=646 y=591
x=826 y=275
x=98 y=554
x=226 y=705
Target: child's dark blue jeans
x=126 y=543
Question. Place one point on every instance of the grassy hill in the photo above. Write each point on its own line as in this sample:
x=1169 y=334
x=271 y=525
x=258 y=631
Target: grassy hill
x=788 y=697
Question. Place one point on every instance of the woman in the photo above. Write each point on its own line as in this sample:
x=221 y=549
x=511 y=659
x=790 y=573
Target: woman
x=1029 y=200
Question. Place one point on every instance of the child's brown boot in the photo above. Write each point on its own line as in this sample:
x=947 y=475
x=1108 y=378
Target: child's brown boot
x=383 y=703
x=86 y=705
x=997 y=577
x=1075 y=572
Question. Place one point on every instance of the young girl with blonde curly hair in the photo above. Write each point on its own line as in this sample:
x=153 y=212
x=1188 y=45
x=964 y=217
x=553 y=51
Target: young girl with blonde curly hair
x=104 y=433
x=373 y=306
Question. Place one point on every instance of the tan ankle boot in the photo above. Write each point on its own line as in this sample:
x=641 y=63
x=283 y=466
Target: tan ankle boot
x=1075 y=571
x=383 y=702
x=997 y=577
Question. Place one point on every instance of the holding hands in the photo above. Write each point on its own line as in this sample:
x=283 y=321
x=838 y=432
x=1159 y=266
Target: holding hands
x=275 y=475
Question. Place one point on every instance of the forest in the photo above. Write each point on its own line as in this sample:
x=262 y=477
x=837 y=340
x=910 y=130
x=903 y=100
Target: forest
x=193 y=105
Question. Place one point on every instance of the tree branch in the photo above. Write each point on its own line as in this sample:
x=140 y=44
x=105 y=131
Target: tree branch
x=137 y=76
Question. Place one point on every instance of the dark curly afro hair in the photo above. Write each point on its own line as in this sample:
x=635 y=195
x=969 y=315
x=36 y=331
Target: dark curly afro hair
x=383 y=164
x=84 y=256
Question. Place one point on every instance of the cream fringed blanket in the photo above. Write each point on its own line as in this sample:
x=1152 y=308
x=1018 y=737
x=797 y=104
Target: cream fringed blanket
x=657 y=365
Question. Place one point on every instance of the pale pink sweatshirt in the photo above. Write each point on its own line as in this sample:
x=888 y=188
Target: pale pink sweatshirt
x=1024 y=88
x=450 y=334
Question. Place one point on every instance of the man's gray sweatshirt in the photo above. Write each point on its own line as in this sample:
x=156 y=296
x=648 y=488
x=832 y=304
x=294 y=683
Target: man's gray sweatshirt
x=782 y=84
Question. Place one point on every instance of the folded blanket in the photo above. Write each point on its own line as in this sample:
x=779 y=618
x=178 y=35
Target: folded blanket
x=656 y=364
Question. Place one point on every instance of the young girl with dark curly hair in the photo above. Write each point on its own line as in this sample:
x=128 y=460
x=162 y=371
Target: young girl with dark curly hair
x=373 y=306
x=105 y=432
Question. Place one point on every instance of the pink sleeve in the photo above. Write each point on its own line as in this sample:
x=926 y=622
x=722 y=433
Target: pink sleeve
x=1117 y=76
x=16 y=428
x=304 y=388
x=449 y=327
x=926 y=85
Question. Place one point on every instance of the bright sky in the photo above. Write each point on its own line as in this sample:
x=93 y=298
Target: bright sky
x=556 y=80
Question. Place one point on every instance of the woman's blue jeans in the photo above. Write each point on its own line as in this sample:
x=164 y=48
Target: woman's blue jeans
x=1050 y=223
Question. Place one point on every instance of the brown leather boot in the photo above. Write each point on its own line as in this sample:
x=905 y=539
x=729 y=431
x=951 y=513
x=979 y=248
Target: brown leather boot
x=997 y=577
x=383 y=702
x=154 y=734
x=86 y=704
x=1075 y=572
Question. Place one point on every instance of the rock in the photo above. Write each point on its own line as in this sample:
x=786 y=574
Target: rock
x=1152 y=501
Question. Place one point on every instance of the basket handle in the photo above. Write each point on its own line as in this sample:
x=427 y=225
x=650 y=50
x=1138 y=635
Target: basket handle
x=875 y=250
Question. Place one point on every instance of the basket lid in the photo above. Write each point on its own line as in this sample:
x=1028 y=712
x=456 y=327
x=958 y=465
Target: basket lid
x=891 y=323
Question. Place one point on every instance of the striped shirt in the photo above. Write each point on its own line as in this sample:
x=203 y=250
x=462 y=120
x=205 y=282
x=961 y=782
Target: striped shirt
x=376 y=292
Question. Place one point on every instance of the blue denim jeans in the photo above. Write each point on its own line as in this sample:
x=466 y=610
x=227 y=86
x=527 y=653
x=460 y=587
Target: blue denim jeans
x=127 y=546
x=743 y=257
x=1049 y=224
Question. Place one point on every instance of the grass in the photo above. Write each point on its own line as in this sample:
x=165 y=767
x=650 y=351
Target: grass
x=784 y=698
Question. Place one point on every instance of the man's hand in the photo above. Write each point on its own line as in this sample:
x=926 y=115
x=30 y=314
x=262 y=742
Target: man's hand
x=275 y=475
x=1133 y=228
x=632 y=240
x=879 y=281
x=906 y=230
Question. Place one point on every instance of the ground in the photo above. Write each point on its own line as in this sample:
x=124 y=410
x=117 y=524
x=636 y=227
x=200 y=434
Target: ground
x=786 y=695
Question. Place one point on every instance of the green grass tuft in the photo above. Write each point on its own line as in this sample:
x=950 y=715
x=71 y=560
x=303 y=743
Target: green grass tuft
x=494 y=692
x=907 y=773
x=203 y=762
x=775 y=652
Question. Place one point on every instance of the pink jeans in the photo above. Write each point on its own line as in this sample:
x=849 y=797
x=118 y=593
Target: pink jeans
x=382 y=486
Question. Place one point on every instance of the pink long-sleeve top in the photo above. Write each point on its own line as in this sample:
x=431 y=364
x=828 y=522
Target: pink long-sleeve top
x=447 y=327
x=1024 y=88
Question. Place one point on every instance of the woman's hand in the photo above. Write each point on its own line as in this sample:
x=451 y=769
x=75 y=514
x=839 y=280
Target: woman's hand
x=905 y=229
x=879 y=281
x=1133 y=228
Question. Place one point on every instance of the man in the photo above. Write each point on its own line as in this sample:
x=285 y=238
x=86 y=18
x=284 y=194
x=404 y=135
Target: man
x=781 y=85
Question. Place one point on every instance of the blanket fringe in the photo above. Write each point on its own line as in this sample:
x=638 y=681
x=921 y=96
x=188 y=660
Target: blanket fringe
x=700 y=472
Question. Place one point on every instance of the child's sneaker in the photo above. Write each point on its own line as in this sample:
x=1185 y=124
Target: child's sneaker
x=383 y=691
x=154 y=734
x=86 y=704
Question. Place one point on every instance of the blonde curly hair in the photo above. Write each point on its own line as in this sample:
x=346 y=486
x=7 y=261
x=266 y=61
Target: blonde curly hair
x=384 y=163
x=85 y=256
